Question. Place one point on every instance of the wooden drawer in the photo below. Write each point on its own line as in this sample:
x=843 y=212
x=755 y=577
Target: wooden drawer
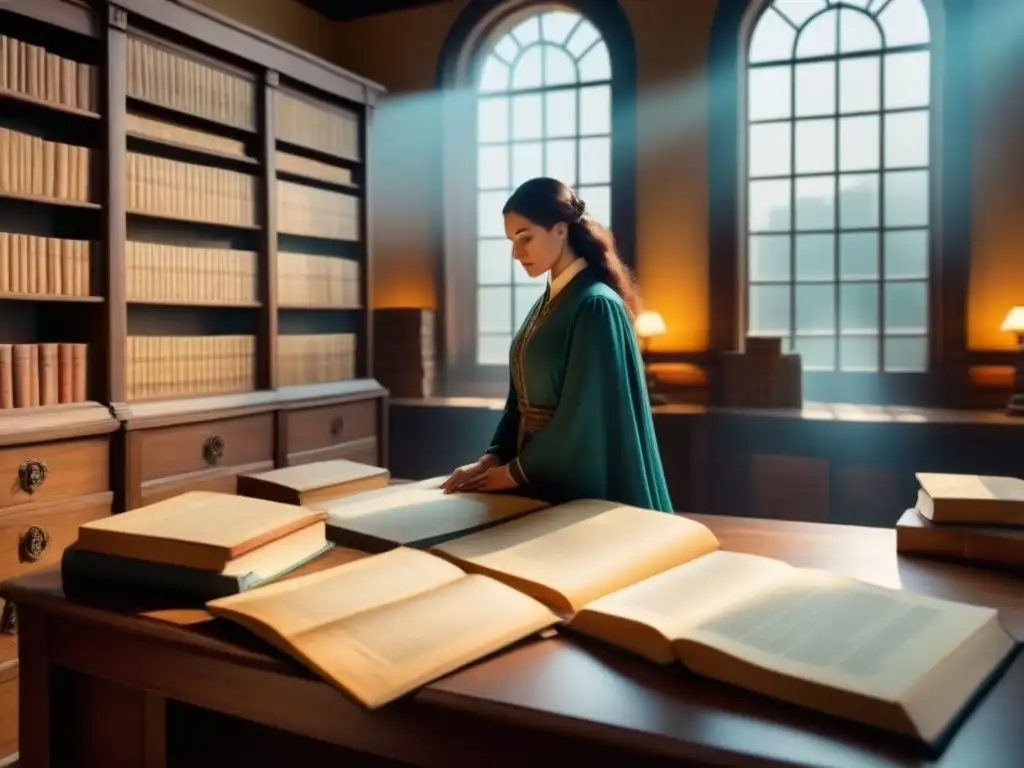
x=190 y=448
x=327 y=426
x=35 y=536
x=69 y=468
x=8 y=709
x=365 y=451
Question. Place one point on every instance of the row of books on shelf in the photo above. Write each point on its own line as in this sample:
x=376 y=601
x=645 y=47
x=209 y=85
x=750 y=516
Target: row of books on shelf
x=449 y=579
x=315 y=358
x=160 y=130
x=35 y=72
x=317 y=212
x=161 y=76
x=305 y=279
x=329 y=129
x=33 y=166
x=176 y=273
x=313 y=169
x=42 y=374
x=45 y=266
x=161 y=367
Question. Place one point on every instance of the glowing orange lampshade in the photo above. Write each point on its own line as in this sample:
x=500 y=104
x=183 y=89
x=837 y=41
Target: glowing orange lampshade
x=650 y=324
x=1014 y=322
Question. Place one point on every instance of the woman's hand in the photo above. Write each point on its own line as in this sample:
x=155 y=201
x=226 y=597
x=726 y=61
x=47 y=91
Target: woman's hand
x=469 y=476
x=497 y=479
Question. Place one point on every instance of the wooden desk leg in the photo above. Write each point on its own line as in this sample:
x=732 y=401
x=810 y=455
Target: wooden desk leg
x=33 y=690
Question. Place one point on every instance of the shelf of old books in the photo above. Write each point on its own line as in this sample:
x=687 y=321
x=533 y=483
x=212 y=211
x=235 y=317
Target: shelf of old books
x=320 y=247
x=193 y=224
x=51 y=288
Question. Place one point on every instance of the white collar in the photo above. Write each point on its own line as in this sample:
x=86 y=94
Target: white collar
x=558 y=283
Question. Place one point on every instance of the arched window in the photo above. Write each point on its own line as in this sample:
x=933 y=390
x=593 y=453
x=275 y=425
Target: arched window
x=838 y=184
x=544 y=108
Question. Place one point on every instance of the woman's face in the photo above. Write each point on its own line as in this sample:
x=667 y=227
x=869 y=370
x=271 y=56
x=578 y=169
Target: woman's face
x=535 y=248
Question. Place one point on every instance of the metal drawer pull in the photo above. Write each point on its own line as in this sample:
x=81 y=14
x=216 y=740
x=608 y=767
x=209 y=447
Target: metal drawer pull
x=34 y=543
x=9 y=620
x=32 y=475
x=337 y=425
x=213 y=449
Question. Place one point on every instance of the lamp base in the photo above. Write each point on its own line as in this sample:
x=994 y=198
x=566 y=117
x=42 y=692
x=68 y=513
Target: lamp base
x=1016 y=406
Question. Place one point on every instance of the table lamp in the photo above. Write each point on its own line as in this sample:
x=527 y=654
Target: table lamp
x=648 y=325
x=1014 y=323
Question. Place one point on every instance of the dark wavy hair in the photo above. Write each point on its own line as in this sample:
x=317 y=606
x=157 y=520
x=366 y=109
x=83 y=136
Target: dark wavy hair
x=546 y=202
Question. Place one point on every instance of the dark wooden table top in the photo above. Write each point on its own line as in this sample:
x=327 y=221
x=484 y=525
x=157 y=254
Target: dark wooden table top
x=598 y=693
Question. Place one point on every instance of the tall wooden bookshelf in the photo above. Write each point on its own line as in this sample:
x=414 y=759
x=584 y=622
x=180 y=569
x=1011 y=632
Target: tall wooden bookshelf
x=184 y=267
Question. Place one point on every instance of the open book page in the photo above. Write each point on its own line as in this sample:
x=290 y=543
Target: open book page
x=645 y=617
x=569 y=555
x=853 y=649
x=282 y=611
x=383 y=653
x=421 y=511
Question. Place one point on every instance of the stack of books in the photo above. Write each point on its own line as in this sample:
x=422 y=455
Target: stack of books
x=403 y=351
x=974 y=519
x=197 y=546
x=761 y=377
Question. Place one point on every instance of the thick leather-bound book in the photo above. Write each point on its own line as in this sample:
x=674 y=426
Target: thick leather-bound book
x=311 y=484
x=658 y=585
x=198 y=529
x=997 y=546
x=975 y=499
x=417 y=515
x=380 y=627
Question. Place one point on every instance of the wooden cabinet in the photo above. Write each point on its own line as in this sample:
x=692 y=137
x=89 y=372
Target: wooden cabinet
x=352 y=429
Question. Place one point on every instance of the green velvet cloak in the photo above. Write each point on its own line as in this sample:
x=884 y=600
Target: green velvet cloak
x=577 y=423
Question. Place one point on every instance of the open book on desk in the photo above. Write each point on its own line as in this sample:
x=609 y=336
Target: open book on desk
x=659 y=585
x=383 y=626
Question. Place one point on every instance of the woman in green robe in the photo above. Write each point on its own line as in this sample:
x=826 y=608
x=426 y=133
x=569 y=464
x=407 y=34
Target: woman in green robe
x=577 y=422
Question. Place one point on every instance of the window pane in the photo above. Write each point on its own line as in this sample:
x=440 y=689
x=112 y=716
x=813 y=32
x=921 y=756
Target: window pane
x=492 y=119
x=526 y=112
x=494 y=75
x=858 y=308
x=494 y=310
x=859 y=144
x=527 y=162
x=527 y=72
x=907 y=80
x=815 y=146
x=596 y=109
x=906 y=198
x=815 y=257
x=858 y=200
x=815 y=203
x=525 y=297
x=860 y=84
x=906 y=308
x=768 y=206
x=493 y=349
x=595 y=161
x=595 y=64
x=769 y=258
x=556 y=25
x=816 y=89
x=799 y=11
x=599 y=203
x=906 y=139
x=818 y=38
x=905 y=22
x=858 y=354
x=490 y=222
x=906 y=355
x=769 y=153
x=858 y=255
x=815 y=309
x=561 y=160
x=527 y=31
x=906 y=254
x=507 y=48
x=492 y=167
x=559 y=69
x=857 y=32
x=560 y=113
x=586 y=35
x=772 y=40
x=769 y=90
x=769 y=309
x=817 y=353
x=493 y=262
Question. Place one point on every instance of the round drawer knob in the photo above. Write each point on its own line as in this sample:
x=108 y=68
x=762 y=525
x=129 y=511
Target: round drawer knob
x=32 y=475
x=9 y=620
x=337 y=426
x=34 y=543
x=213 y=449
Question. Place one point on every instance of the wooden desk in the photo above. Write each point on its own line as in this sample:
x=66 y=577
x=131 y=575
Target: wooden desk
x=119 y=686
